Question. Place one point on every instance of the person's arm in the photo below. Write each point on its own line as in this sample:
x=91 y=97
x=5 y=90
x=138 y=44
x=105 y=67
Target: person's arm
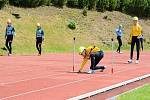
x=6 y=33
x=42 y=34
x=140 y=32
x=116 y=32
x=83 y=64
x=14 y=33
x=130 y=38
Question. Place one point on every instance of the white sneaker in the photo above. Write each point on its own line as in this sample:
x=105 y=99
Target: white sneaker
x=90 y=71
x=137 y=61
x=121 y=52
x=9 y=54
x=130 y=61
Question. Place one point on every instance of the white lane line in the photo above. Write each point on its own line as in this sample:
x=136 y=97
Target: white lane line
x=101 y=90
x=128 y=91
x=7 y=83
x=14 y=82
x=56 y=86
x=61 y=85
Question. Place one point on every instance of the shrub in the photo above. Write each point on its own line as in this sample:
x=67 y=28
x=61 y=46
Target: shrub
x=92 y=4
x=85 y=12
x=2 y=3
x=112 y=5
x=72 y=3
x=72 y=24
x=102 y=5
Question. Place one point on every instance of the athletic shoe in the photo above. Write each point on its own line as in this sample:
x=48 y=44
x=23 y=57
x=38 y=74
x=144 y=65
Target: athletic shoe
x=90 y=71
x=39 y=54
x=137 y=61
x=103 y=69
x=121 y=52
x=9 y=54
x=130 y=61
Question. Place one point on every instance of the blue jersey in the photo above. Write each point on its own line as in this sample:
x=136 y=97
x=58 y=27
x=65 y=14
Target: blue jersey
x=10 y=30
x=119 y=32
x=40 y=33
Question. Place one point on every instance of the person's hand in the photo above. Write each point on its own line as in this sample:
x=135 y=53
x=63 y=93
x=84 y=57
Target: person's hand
x=79 y=71
x=5 y=37
x=129 y=42
x=140 y=36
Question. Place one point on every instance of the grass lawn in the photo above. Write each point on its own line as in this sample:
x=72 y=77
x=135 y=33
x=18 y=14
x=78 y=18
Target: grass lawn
x=142 y=93
x=91 y=30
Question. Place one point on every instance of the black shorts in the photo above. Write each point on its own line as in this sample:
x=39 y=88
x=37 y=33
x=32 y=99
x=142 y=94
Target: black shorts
x=39 y=40
x=9 y=38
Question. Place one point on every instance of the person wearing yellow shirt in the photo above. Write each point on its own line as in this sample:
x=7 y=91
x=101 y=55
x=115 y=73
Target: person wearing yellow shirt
x=94 y=54
x=136 y=32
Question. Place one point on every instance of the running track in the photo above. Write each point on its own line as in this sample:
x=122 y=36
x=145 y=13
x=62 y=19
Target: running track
x=50 y=77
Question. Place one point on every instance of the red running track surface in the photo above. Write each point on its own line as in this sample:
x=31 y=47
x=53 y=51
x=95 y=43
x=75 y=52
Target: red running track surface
x=50 y=77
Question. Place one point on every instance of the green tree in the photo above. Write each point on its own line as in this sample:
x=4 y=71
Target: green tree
x=72 y=3
x=147 y=9
x=83 y=3
x=92 y=4
x=112 y=5
x=2 y=3
x=102 y=5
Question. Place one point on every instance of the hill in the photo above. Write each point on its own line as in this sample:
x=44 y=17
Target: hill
x=91 y=29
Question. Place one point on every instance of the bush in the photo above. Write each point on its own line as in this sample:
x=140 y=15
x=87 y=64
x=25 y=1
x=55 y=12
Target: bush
x=72 y=24
x=59 y=3
x=140 y=6
x=29 y=3
x=49 y=2
x=72 y=3
x=102 y=5
x=147 y=9
x=44 y=2
x=80 y=3
x=137 y=7
x=2 y=3
x=85 y=12
x=25 y=3
x=92 y=4
x=122 y=5
x=112 y=5
x=54 y=2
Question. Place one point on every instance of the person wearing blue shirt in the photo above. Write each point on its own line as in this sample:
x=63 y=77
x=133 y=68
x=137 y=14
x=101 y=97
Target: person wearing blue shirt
x=9 y=34
x=39 y=38
x=141 y=38
x=119 y=33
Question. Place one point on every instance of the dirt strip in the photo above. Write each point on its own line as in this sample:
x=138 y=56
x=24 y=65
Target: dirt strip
x=117 y=91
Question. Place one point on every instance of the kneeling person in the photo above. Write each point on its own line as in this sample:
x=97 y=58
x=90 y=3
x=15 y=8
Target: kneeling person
x=95 y=55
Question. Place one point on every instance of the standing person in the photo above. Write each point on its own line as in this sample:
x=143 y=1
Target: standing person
x=136 y=31
x=93 y=53
x=9 y=34
x=141 y=42
x=39 y=38
x=119 y=35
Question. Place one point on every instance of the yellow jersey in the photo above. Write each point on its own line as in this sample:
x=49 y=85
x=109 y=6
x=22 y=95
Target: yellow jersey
x=136 y=31
x=88 y=51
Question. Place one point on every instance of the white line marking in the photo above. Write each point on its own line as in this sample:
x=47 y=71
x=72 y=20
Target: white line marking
x=128 y=91
x=108 y=88
x=7 y=83
x=61 y=85
x=56 y=86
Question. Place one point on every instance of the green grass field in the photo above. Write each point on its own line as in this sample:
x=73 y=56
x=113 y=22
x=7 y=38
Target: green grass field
x=91 y=30
x=142 y=93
